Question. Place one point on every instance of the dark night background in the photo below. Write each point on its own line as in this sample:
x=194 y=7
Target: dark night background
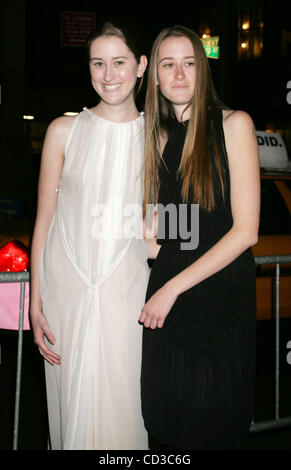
x=40 y=77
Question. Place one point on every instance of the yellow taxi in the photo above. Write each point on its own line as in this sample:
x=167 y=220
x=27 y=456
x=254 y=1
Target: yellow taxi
x=274 y=239
x=275 y=224
x=16 y=230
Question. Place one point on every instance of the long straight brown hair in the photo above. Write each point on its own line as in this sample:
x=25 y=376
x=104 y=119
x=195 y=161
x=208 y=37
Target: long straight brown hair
x=195 y=166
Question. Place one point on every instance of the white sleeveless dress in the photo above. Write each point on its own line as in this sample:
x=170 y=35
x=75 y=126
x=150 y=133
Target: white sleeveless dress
x=93 y=278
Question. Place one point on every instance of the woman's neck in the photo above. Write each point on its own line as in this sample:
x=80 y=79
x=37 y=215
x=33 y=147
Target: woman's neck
x=123 y=112
x=182 y=112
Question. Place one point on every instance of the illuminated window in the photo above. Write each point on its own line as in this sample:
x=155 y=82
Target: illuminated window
x=250 y=33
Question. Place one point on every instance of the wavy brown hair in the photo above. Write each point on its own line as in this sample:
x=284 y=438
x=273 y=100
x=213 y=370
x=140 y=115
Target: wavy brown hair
x=195 y=166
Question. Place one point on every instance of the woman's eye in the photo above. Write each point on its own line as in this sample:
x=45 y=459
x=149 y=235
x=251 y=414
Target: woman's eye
x=119 y=62
x=168 y=65
x=98 y=64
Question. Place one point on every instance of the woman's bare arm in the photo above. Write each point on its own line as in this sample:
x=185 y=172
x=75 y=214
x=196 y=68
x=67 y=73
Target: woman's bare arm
x=52 y=160
x=242 y=150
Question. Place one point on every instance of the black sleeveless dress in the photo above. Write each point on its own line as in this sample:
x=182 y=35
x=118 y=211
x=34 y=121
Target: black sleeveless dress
x=198 y=370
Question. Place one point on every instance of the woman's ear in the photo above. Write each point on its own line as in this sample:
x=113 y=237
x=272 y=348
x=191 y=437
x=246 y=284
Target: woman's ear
x=143 y=62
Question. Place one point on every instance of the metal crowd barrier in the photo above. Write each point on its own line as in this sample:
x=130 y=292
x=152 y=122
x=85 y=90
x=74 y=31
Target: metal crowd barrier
x=24 y=277
x=277 y=422
x=21 y=277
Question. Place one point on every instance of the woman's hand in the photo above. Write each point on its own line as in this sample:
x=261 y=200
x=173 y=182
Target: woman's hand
x=41 y=330
x=158 y=307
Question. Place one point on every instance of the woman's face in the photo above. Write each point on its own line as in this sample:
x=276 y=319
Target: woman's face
x=176 y=72
x=114 y=69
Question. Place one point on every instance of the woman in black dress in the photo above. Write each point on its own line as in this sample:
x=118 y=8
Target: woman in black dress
x=200 y=312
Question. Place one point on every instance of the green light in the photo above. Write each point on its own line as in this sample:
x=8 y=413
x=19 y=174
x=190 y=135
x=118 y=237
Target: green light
x=211 y=47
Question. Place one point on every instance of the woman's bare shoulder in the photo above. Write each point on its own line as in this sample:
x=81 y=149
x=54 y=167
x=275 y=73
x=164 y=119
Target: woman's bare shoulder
x=239 y=132
x=235 y=119
x=58 y=130
x=61 y=125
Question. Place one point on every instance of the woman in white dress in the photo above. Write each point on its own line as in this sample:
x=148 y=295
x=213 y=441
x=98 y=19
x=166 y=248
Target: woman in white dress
x=88 y=263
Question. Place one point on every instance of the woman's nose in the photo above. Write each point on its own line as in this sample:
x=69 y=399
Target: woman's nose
x=108 y=73
x=179 y=72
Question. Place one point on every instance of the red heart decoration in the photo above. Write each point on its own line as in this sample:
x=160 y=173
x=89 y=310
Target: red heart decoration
x=14 y=257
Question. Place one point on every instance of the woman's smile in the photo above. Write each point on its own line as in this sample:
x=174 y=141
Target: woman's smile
x=111 y=87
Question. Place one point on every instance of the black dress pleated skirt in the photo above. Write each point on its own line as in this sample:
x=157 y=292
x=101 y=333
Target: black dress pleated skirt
x=198 y=370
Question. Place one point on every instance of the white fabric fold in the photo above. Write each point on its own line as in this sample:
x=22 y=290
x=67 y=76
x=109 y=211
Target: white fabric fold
x=93 y=288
